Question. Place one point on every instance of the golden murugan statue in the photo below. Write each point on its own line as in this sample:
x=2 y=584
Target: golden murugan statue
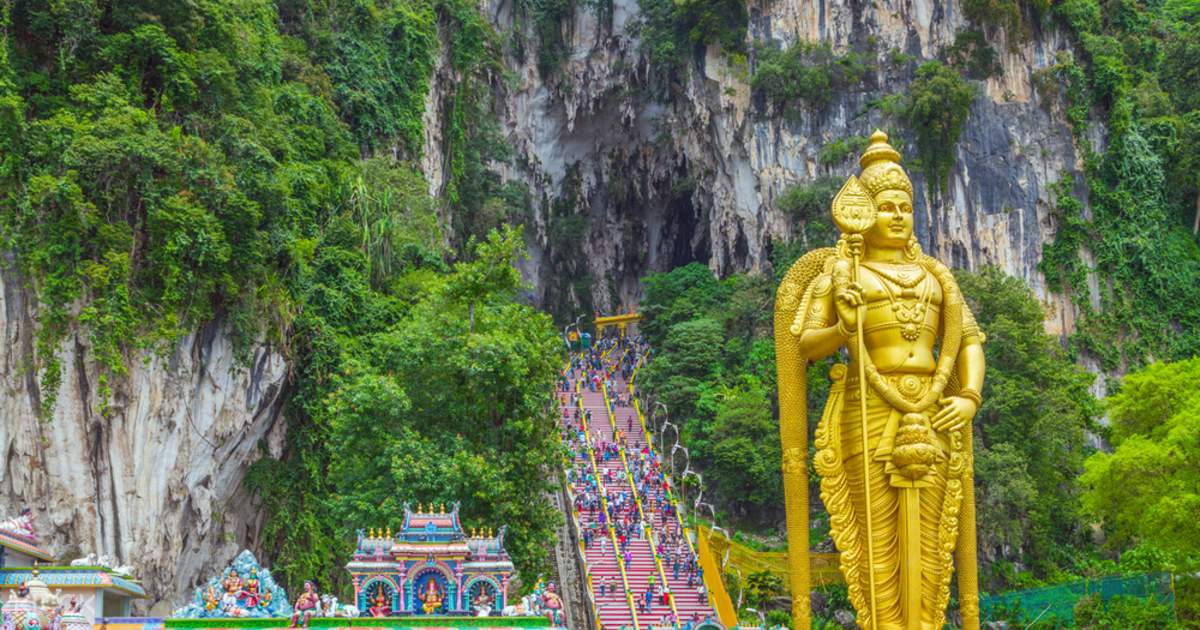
x=906 y=402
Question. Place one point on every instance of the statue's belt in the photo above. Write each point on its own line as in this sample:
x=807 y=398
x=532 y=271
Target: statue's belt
x=912 y=387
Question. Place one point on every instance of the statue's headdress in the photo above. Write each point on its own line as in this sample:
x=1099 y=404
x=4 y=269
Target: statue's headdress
x=881 y=168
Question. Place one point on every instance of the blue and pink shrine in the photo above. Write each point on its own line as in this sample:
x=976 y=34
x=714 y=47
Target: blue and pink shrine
x=430 y=567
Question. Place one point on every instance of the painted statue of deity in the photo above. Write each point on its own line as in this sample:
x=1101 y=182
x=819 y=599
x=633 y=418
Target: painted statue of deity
x=893 y=446
x=308 y=605
x=249 y=596
x=381 y=607
x=431 y=597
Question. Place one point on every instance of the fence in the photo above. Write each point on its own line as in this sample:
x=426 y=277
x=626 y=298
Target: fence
x=1058 y=602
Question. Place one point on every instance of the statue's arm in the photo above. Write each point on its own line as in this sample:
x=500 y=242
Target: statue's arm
x=818 y=329
x=970 y=355
x=971 y=365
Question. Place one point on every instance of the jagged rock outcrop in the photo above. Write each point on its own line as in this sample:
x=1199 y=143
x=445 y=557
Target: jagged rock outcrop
x=158 y=483
x=694 y=175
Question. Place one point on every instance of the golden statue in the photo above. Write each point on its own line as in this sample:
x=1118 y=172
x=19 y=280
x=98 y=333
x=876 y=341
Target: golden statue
x=908 y=405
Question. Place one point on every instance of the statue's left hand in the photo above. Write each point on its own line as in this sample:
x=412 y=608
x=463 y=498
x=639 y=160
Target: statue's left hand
x=955 y=413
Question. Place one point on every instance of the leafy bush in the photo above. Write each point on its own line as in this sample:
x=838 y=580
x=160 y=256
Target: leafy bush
x=935 y=110
x=670 y=30
x=806 y=74
x=972 y=54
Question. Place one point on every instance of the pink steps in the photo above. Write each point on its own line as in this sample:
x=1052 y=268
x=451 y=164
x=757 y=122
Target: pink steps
x=613 y=607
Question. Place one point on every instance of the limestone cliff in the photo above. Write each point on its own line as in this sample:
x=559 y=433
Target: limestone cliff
x=157 y=483
x=694 y=175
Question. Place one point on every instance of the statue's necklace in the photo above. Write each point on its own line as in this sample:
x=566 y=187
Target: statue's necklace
x=909 y=308
x=903 y=277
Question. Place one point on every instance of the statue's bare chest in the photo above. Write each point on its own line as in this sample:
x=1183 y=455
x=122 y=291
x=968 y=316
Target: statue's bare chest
x=905 y=297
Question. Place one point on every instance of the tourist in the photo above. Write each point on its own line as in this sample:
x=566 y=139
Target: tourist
x=603 y=586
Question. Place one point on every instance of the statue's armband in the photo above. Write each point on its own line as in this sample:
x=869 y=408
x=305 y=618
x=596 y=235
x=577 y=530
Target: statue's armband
x=816 y=310
x=970 y=328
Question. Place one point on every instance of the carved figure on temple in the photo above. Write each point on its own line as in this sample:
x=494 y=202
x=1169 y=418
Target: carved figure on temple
x=89 y=560
x=212 y=601
x=380 y=607
x=71 y=617
x=894 y=441
x=232 y=582
x=21 y=525
x=249 y=597
x=552 y=604
x=483 y=603
x=431 y=597
x=22 y=613
x=307 y=605
x=244 y=589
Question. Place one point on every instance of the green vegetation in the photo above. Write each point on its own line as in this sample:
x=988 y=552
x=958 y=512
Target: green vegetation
x=714 y=369
x=806 y=74
x=837 y=152
x=672 y=31
x=1146 y=493
x=166 y=165
x=1136 y=71
x=935 y=109
x=972 y=55
x=1030 y=442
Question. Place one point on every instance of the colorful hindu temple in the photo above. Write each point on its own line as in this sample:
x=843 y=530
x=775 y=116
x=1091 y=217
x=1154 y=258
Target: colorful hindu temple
x=84 y=593
x=429 y=574
x=429 y=567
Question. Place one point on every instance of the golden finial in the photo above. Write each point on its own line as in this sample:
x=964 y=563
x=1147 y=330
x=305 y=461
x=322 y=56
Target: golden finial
x=442 y=508
x=389 y=532
x=371 y=532
x=420 y=509
x=489 y=532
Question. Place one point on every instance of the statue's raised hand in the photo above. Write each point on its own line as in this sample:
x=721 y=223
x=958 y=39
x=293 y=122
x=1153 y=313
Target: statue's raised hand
x=847 y=296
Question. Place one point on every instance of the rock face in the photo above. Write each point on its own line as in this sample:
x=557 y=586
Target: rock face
x=157 y=483
x=663 y=179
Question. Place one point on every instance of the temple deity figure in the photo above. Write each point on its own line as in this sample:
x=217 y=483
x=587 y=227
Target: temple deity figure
x=232 y=582
x=380 y=607
x=893 y=445
x=249 y=595
x=552 y=604
x=431 y=598
x=307 y=606
x=21 y=525
x=211 y=599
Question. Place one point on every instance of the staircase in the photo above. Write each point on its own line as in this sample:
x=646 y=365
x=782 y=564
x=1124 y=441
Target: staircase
x=623 y=604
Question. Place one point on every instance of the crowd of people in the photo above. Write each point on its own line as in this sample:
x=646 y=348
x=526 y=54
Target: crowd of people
x=616 y=514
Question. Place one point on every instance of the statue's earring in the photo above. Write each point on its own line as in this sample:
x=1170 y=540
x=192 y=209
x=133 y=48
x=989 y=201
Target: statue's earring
x=912 y=249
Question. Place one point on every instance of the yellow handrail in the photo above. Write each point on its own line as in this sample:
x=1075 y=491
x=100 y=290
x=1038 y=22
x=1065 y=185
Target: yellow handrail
x=575 y=521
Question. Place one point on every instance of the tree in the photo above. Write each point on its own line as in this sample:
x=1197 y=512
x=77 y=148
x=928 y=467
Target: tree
x=1030 y=437
x=1146 y=492
x=742 y=446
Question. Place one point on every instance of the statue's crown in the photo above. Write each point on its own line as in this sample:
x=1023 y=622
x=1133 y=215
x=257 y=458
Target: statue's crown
x=881 y=168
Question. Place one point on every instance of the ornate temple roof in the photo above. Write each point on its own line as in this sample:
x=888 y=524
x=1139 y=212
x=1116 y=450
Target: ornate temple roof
x=24 y=545
x=434 y=532
x=72 y=577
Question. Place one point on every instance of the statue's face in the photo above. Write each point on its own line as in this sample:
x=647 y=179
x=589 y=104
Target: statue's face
x=894 y=221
